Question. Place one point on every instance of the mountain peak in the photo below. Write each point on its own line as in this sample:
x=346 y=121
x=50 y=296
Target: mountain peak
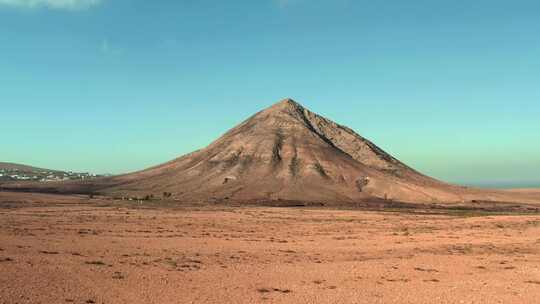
x=287 y=103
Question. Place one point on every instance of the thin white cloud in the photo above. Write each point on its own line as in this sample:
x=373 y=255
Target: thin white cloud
x=107 y=48
x=52 y=4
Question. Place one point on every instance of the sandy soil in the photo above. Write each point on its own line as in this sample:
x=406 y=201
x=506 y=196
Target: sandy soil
x=57 y=249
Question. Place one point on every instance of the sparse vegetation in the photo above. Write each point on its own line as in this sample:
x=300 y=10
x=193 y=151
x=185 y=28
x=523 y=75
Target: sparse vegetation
x=97 y=263
x=117 y=275
x=263 y=290
x=171 y=262
x=425 y=269
x=267 y=290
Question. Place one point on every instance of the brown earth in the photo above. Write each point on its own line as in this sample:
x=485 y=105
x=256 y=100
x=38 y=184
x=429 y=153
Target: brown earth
x=287 y=153
x=72 y=249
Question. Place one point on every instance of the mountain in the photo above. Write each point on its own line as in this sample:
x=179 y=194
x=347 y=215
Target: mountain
x=287 y=152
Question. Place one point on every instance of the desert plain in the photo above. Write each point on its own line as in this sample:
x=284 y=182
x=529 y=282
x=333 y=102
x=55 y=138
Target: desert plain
x=76 y=249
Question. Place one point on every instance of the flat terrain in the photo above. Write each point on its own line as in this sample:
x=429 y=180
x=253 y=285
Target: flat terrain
x=68 y=249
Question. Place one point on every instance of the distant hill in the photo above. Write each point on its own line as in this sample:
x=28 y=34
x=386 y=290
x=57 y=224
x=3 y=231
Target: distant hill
x=23 y=168
x=10 y=172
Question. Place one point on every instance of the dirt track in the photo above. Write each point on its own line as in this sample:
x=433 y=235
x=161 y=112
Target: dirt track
x=71 y=250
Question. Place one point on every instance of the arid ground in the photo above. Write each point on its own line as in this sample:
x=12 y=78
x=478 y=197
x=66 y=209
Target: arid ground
x=68 y=249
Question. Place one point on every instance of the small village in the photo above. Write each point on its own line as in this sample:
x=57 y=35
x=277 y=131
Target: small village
x=43 y=176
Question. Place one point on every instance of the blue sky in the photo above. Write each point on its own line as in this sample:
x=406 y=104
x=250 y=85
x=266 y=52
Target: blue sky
x=449 y=87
